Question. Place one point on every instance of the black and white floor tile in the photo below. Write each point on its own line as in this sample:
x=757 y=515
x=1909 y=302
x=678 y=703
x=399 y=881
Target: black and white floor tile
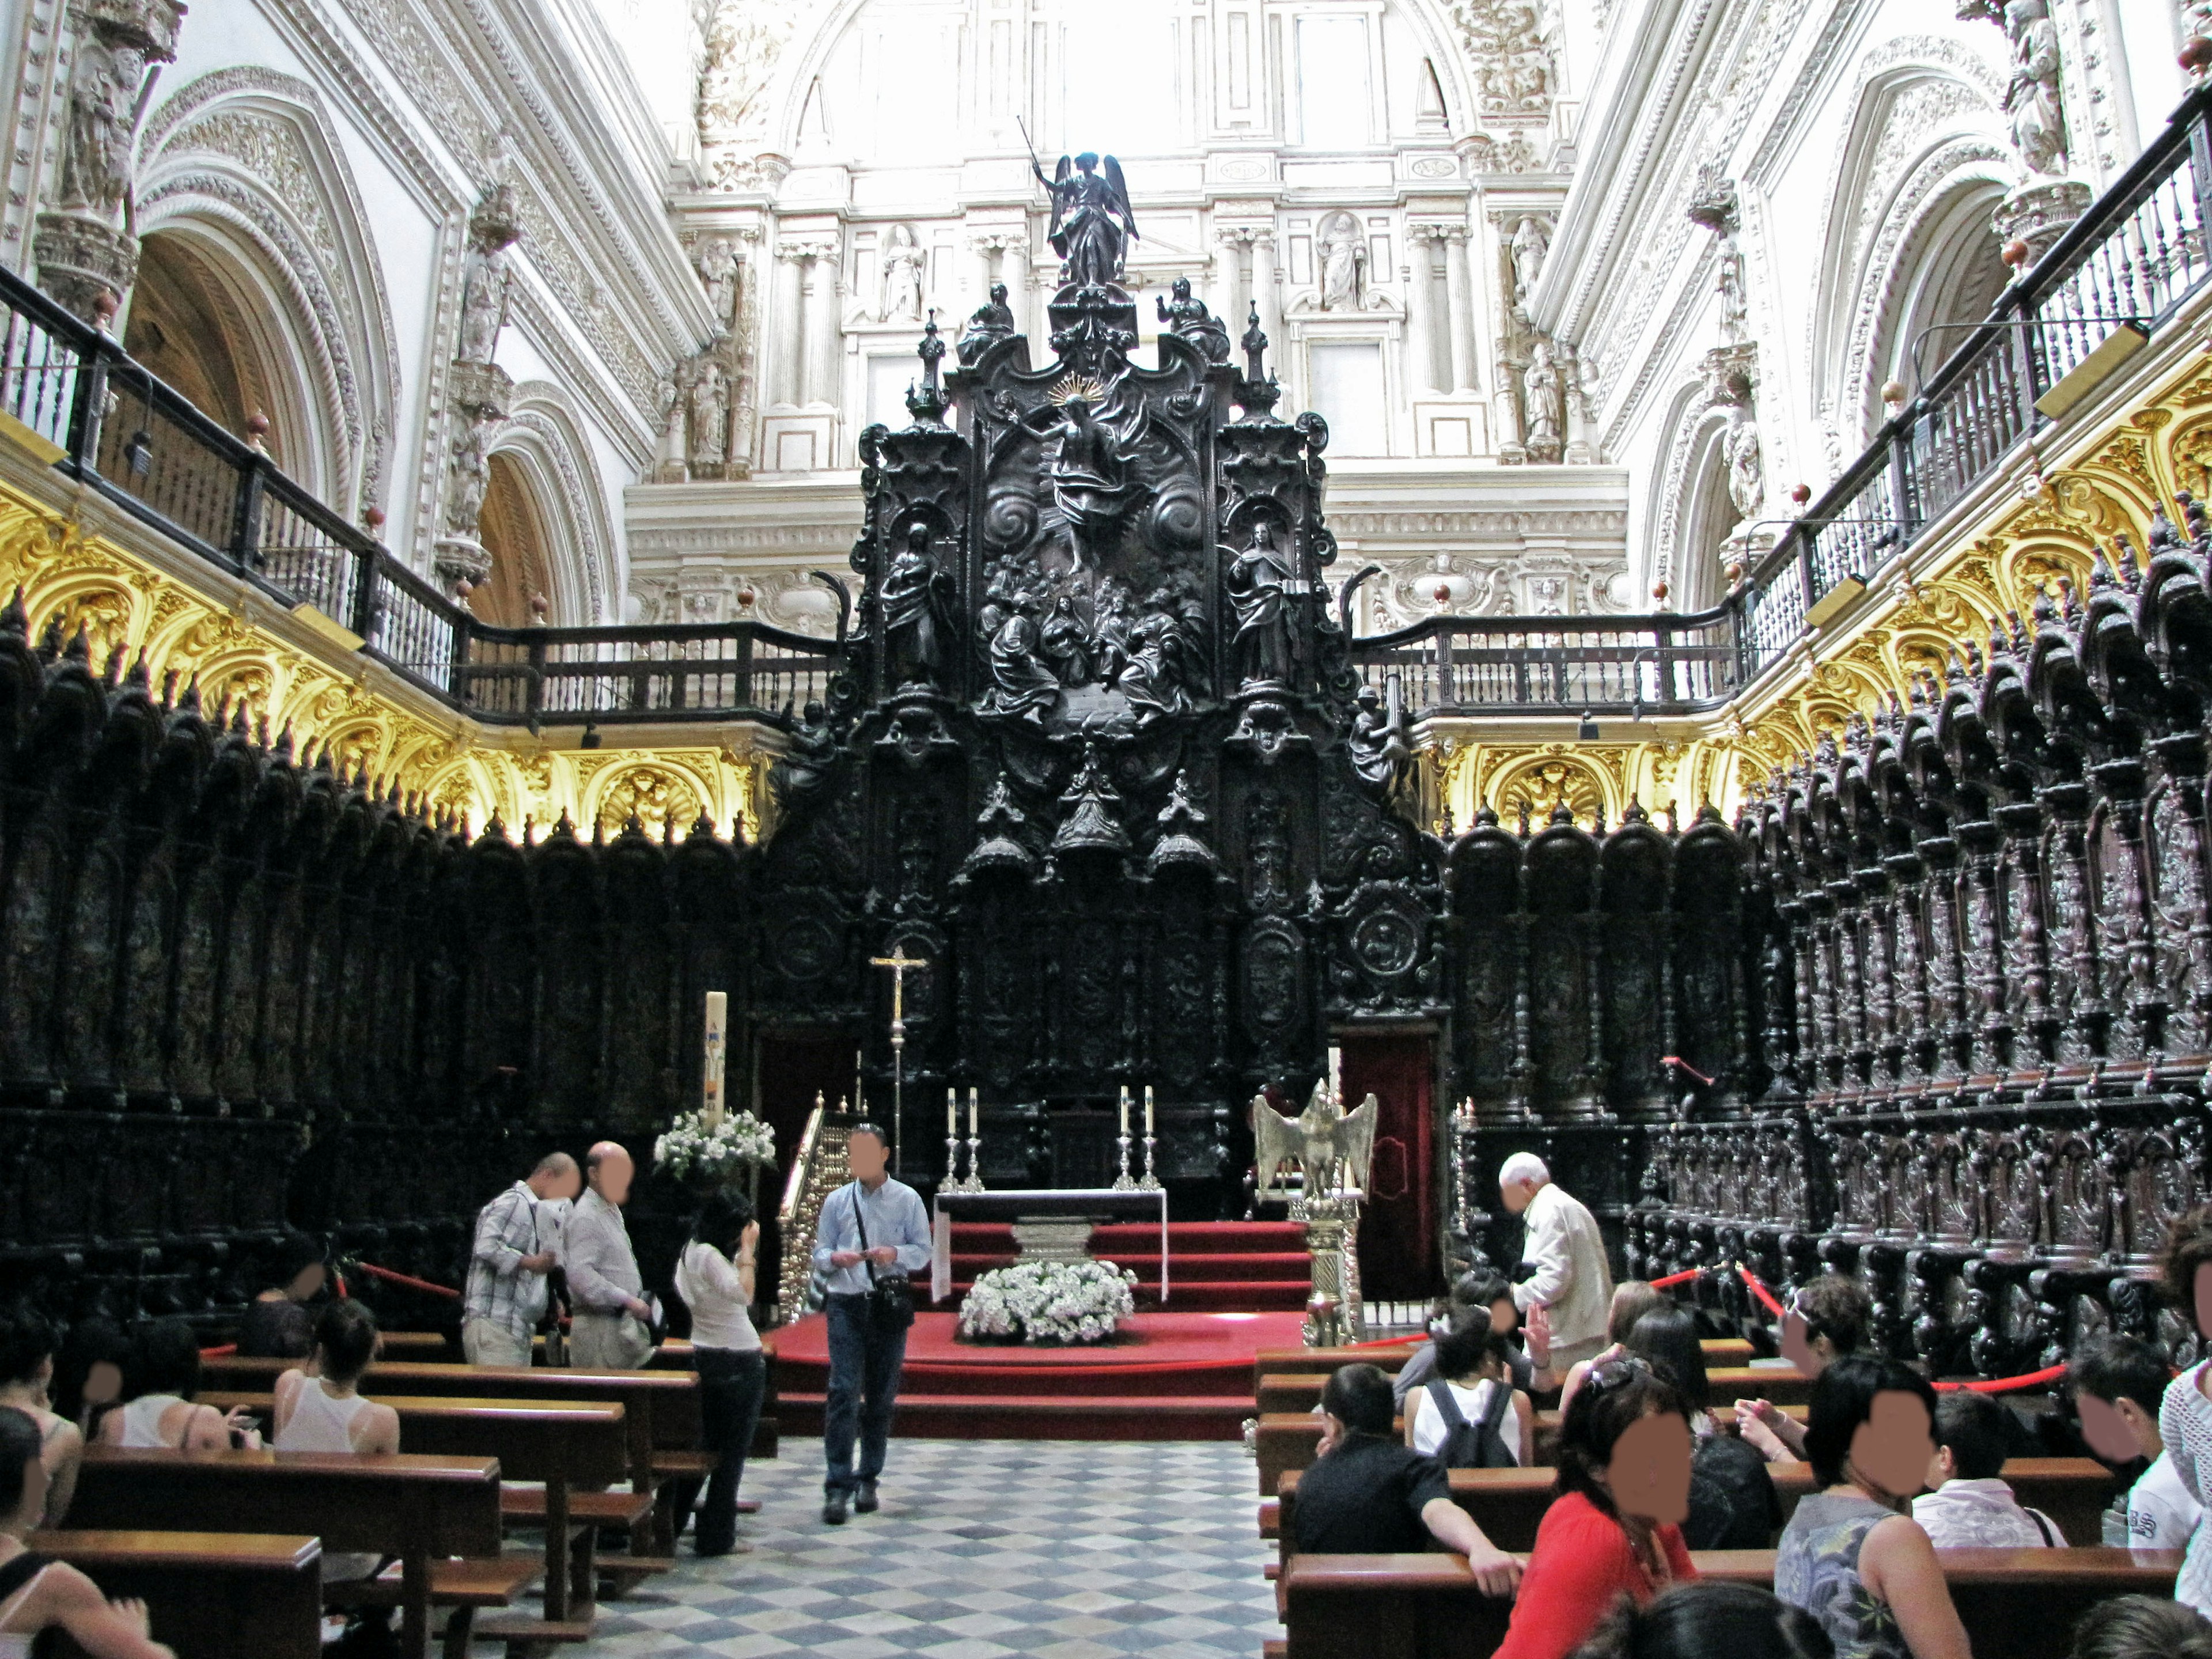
x=1061 y=1550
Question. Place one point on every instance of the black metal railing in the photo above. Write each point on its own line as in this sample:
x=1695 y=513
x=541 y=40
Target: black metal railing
x=125 y=433
x=2137 y=254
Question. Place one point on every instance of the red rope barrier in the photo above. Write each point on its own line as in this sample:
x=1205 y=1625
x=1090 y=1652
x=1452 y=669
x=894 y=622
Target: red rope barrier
x=1676 y=1279
x=412 y=1284
x=219 y=1352
x=2007 y=1384
x=1751 y=1283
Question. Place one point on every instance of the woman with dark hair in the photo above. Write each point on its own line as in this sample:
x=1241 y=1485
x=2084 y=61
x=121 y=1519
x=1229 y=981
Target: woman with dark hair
x=1615 y=1527
x=27 y=1381
x=1469 y=1415
x=277 y=1324
x=89 y=1373
x=1706 y=1618
x=2141 y=1627
x=164 y=1376
x=715 y=1277
x=1733 y=1503
x=1852 y=1555
x=2185 y=1415
x=1478 y=1302
x=37 y=1594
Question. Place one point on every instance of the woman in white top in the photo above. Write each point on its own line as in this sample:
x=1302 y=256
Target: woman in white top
x=2184 y=1416
x=27 y=1381
x=165 y=1375
x=319 y=1408
x=35 y=1594
x=715 y=1277
x=1496 y=1425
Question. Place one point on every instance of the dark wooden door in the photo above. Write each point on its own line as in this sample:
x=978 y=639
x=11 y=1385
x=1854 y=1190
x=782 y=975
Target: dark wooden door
x=789 y=1070
x=1400 y=1253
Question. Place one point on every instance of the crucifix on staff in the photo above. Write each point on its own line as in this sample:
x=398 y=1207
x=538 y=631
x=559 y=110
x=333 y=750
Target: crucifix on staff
x=898 y=962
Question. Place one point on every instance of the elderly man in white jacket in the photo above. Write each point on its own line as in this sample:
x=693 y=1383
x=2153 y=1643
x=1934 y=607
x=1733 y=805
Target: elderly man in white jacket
x=1572 y=1280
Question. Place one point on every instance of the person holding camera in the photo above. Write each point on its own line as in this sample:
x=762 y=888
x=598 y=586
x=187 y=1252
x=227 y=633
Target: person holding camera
x=872 y=1233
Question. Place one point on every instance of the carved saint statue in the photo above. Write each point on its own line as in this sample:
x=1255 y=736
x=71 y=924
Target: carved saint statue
x=1532 y=241
x=1092 y=223
x=470 y=476
x=1544 y=398
x=1187 y=317
x=1380 y=741
x=483 y=298
x=715 y=260
x=1155 y=674
x=993 y=321
x=1020 y=682
x=1735 y=307
x=1747 y=472
x=1257 y=584
x=670 y=396
x=103 y=88
x=1067 y=643
x=2039 y=128
x=902 y=259
x=1343 y=264
x=813 y=751
x=710 y=412
x=917 y=601
x=1091 y=483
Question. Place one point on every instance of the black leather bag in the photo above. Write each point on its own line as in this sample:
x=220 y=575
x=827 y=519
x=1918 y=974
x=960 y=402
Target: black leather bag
x=890 y=1301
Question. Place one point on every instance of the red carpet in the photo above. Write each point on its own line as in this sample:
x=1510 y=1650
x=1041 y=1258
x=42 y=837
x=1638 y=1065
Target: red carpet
x=1171 y=1376
x=1229 y=1266
x=1181 y=1375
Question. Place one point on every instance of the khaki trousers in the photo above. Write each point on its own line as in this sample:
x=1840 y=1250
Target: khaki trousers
x=487 y=1342
x=608 y=1342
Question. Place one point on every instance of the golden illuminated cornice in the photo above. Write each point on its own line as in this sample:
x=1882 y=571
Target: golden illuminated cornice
x=82 y=564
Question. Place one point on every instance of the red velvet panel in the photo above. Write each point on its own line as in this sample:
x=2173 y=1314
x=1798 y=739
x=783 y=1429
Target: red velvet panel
x=1399 y=1256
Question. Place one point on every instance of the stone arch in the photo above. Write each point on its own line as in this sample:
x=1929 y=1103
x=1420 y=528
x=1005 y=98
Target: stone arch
x=244 y=186
x=544 y=441
x=1691 y=512
x=1925 y=153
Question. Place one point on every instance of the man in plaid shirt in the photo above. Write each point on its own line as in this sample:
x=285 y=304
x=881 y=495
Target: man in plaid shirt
x=517 y=1244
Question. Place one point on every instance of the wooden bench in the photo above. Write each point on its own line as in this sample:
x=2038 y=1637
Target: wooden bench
x=576 y=1449
x=2018 y=1604
x=1729 y=1350
x=1509 y=1505
x=208 y=1594
x=421 y=1509
x=1283 y=1391
x=417 y=1344
x=660 y=1408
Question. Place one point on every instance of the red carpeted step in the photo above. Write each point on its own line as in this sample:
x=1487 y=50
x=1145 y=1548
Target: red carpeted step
x=1232 y=1296
x=1182 y=1269
x=1184 y=1237
x=1058 y=1416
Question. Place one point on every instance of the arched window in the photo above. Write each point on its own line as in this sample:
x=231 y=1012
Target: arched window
x=1948 y=274
x=1707 y=518
x=196 y=326
x=513 y=532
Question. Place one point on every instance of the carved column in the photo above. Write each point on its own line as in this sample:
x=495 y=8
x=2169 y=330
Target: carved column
x=986 y=248
x=1911 y=999
x=820 y=310
x=1459 y=286
x=745 y=390
x=2028 y=933
x=2080 y=1003
x=1014 y=272
x=1992 y=1031
x=785 y=382
x=1263 y=292
x=1229 y=280
x=1421 y=309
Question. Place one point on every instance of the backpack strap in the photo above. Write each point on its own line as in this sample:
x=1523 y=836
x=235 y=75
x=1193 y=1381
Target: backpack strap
x=1493 y=1412
x=2042 y=1526
x=1440 y=1396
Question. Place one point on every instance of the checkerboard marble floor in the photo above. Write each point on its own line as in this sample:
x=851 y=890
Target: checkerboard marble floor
x=1059 y=1549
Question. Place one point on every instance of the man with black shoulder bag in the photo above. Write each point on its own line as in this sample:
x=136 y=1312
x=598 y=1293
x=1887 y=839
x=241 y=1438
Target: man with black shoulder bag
x=872 y=1233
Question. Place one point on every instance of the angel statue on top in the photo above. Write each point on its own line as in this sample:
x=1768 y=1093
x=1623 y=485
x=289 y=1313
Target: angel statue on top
x=1092 y=223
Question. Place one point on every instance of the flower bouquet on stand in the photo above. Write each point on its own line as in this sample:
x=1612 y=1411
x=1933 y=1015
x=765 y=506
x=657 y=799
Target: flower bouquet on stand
x=722 y=1155
x=1049 y=1303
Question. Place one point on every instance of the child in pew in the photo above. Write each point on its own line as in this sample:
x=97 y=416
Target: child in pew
x=2141 y=1627
x=1970 y=1506
x=2117 y=1382
x=89 y=1374
x=1707 y=1619
x=1829 y=1317
x=1470 y=1416
x=1615 y=1527
x=27 y=1375
x=37 y=1594
x=164 y=1376
x=1366 y=1494
x=1852 y=1555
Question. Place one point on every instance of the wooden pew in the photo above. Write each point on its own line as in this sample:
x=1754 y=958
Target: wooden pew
x=417 y=1344
x=576 y=1449
x=208 y=1594
x=2019 y=1604
x=1509 y=1505
x=1720 y=1351
x=660 y=1408
x=419 y=1508
x=1300 y=1390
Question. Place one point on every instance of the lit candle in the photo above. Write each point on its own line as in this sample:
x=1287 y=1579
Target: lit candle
x=1148 y=1109
x=718 y=1024
x=971 y=1111
x=951 y=1110
x=1125 y=1108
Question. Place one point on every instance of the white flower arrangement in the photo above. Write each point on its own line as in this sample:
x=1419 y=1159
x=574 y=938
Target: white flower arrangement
x=1049 y=1303
x=690 y=1147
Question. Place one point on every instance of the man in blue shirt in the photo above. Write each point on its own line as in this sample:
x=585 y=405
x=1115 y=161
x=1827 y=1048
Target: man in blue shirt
x=871 y=1229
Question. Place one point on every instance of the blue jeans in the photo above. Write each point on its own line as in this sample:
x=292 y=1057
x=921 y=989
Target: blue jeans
x=864 y=1379
x=730 y=1386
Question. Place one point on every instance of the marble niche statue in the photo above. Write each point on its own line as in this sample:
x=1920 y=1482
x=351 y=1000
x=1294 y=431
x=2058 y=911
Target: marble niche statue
x=902 y=259
x=1187 y=316
x=1092 y=223
x=715 y=259
x=1532 y=241
x=710 y=412
x=917 y=600
x=1746 y=472
x=96 y=161
x=2038 y=129
x=1257 y=582
x=1545 y=400
x=1343 y=264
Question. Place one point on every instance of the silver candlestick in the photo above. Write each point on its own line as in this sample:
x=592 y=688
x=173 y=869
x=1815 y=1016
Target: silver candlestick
x=975 y=1181
x=1149 y=1183
x=1122 y=1183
